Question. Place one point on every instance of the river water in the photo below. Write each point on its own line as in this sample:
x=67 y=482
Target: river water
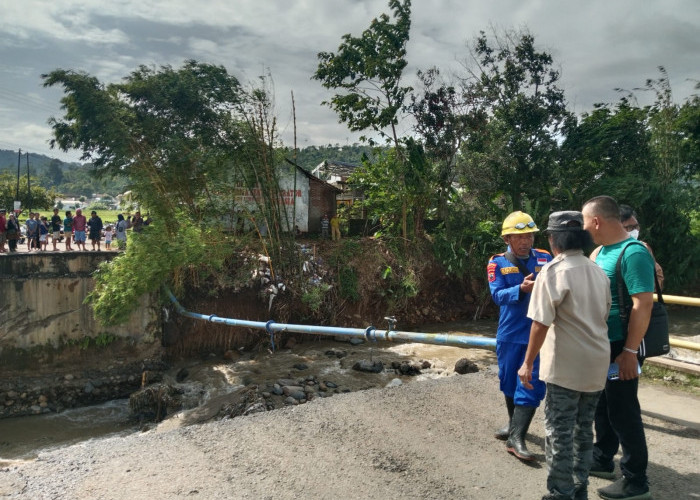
x=24 y=437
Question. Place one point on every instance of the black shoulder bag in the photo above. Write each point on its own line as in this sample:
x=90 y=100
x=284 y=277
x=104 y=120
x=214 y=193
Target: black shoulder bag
x=655 y=341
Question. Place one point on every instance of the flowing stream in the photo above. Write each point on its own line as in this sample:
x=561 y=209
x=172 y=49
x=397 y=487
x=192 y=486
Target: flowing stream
x=23 y=438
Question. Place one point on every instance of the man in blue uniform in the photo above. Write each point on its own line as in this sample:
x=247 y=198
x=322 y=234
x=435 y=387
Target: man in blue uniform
x=511 y=279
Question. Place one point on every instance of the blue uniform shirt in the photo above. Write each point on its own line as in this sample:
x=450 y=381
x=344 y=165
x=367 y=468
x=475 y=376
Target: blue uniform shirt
x=504 y=281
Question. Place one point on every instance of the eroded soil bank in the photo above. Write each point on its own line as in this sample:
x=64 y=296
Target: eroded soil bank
x=354 y=283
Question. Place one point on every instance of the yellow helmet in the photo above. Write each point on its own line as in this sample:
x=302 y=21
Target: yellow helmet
x=518 y=223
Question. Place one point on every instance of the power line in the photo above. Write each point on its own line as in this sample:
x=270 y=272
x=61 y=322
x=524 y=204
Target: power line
x=28 y=100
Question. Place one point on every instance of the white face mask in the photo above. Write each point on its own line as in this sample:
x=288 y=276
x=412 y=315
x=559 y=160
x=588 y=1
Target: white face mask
x=634 y=234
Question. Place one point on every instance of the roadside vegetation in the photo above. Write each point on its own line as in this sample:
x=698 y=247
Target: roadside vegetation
x=463 y=150
x=671 y=378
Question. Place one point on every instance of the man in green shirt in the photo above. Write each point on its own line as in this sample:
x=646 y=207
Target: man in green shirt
x=618 y=420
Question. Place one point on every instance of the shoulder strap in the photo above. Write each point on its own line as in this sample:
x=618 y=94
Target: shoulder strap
x=622 y=287
x=514 y=260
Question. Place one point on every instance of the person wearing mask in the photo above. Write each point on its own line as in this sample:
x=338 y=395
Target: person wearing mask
x=629 y=221
x=618 y=418
x=569 y=307
x=511 y=277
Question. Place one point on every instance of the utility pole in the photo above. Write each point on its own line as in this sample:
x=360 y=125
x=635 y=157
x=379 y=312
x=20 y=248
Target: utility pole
x=29 y=187
x=19 y=159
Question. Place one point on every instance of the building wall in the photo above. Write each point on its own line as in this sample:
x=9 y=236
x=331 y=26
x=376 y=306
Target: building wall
x=322 y=198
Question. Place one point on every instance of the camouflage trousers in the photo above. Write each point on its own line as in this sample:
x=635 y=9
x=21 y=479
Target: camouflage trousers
x=568 y=439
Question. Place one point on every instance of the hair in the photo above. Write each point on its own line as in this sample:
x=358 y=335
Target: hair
x=68 y=213
x=604 y=206
x=571 y=240
x=120 y=217
x=627 y=212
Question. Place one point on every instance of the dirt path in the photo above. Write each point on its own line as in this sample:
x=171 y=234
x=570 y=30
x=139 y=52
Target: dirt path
x=430 y=439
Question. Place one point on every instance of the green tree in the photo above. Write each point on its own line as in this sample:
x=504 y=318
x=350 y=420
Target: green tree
x=54 y=173
x=606 y=152
x=185 y=138
x=166 y=129
x=367 y=71
x=646 y=158
x=40 y=197
x=515 y=154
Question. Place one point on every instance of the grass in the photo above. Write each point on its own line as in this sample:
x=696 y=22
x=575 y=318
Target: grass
x=671 y=378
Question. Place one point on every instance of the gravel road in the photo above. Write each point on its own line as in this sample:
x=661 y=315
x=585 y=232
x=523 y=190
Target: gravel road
x=428 y=440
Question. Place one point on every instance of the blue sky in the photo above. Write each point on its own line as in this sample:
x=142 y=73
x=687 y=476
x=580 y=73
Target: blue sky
x=599 y=45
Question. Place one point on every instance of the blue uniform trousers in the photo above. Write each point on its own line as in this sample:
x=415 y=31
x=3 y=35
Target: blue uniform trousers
x=510 y=358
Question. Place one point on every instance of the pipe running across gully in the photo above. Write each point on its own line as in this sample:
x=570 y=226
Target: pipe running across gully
x=370 y=333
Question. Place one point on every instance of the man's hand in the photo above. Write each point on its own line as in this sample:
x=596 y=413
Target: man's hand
x=629 y=366
x=528 y=283
x=525 y=375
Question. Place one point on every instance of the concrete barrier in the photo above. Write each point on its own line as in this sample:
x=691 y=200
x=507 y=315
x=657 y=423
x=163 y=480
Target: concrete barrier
x=42 y=302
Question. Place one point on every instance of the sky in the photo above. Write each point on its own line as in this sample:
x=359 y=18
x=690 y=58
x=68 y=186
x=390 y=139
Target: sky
x=598 y=45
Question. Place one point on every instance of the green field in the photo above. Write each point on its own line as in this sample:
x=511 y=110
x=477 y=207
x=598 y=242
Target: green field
x=107 y=216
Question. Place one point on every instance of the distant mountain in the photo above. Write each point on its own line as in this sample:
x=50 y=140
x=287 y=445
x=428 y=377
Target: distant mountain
x=310 y=157
x=38 y=164
x=76 y=179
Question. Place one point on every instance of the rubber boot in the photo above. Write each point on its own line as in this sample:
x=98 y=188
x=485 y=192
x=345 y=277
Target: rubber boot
x=504 y=432
x=519 y=424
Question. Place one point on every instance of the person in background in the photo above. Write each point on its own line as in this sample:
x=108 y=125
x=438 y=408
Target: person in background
x=137 y=222
x=32 y=225
x=13 y=232
x=3 y=230
x=511 y=277
x=95 y=225
x=121 y=227
x=55 y=228
x=335 y=227
x=43 y=233
x=629 y=221
x=68 y=229
x=324 y=226
x=79 y=227
x=618 y=418
x=569 y=307
x=108 y=237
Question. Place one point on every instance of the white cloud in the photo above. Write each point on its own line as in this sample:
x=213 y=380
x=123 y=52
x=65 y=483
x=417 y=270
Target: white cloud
x=598 y=44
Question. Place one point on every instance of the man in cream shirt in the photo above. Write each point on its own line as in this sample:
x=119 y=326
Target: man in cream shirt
x=569 y=308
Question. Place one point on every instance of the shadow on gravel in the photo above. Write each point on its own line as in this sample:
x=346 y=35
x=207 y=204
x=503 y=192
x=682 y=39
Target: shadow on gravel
x=674 y=429
x=667 y=483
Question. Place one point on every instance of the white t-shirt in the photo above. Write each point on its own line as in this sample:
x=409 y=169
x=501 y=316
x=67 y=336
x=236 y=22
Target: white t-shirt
x=572 y=296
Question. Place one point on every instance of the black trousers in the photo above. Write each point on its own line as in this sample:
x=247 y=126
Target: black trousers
x=618 y=422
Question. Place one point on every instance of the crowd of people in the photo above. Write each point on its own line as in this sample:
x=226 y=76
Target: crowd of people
x=561 y=339
x=75 y=230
